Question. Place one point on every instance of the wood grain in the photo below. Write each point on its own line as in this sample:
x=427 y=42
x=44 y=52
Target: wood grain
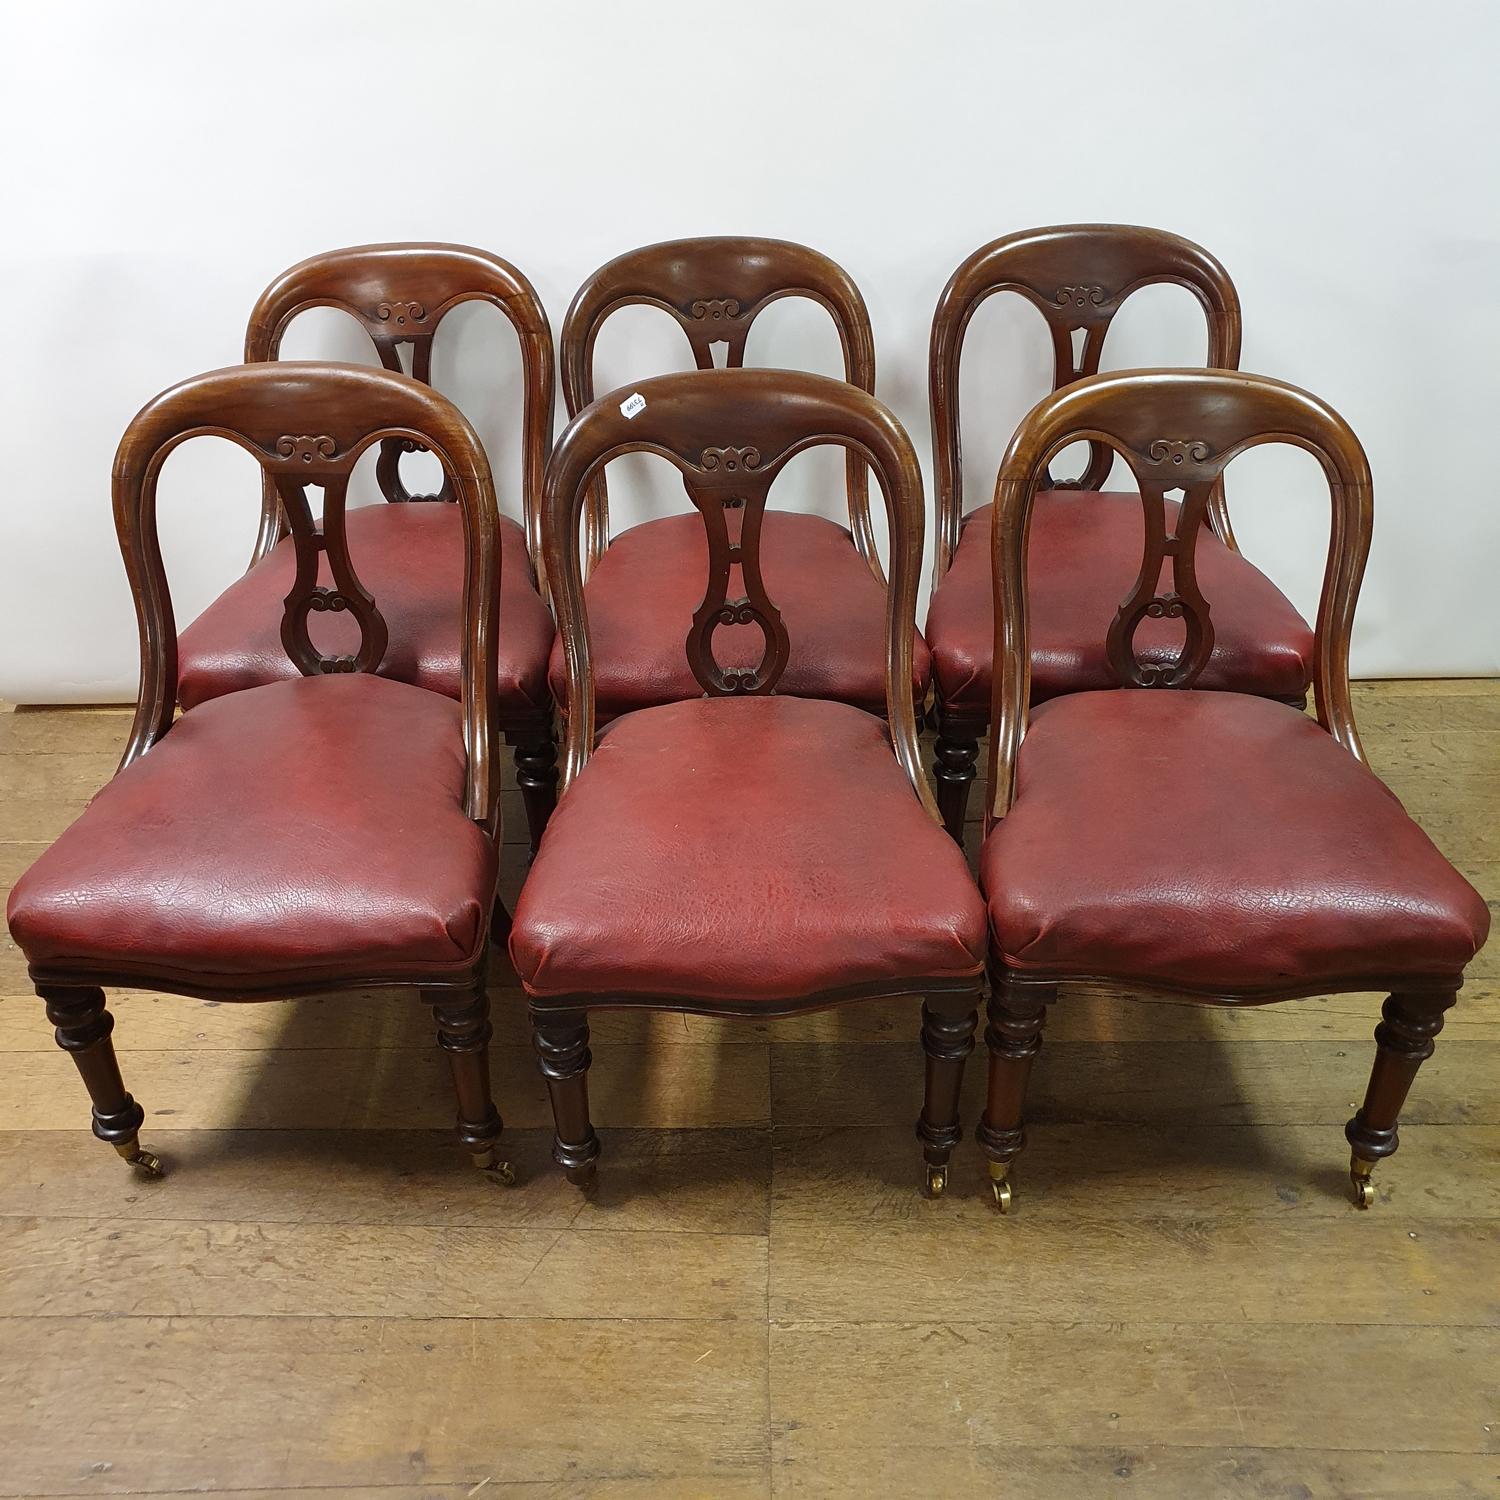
x=324 y=1297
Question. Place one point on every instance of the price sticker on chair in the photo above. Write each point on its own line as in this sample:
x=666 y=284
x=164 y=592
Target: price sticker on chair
x=633 y=405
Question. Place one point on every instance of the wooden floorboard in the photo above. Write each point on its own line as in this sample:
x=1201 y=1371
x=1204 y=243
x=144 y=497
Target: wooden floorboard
x=324 y=1299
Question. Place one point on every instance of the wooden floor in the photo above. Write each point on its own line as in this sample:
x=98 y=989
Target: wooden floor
x=323 y=1295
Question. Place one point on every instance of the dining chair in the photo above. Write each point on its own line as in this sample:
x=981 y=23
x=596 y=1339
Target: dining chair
x=410 y=549
x=644 y=583
x=1084 y=539
x=742 y=852
x=331 y=831
x=1219 y=846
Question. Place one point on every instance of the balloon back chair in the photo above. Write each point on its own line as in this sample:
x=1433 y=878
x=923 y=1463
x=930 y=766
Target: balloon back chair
x=411 y=553
x=742 y=852
x=645 y=583
x=1216 y=845
x=1084 y=540
x=331 y=831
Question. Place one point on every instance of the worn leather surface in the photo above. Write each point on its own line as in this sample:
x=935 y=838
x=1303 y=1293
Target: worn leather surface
x=1085 y=552
x=1214 y=840
x=743 y=849
x=290 y=832
x=642 y=595
x=411 y=558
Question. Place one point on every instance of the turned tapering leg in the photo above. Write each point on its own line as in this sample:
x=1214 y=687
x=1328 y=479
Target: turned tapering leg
x=536 y=775
x=83 y=1031
x=948 y=1027
x=1404 y=1040
x=561 y=1039
x=463 y=1032
x=1017 y=1012
x=955 y=752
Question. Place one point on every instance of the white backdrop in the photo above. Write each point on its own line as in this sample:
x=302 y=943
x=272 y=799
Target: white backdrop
x=165 y=160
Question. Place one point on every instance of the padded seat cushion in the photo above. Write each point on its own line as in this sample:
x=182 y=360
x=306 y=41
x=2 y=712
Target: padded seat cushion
x=744 y=850
x=1084 y=555
x=1215 y=842
x=291 y=833
x=642 y=595
x=411 y=558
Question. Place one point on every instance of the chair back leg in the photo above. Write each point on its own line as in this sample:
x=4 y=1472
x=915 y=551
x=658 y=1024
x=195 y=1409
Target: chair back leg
x=948 y=1026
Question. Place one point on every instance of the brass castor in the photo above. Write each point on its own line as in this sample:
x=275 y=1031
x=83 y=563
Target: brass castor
x=1000 y=1184
x=1364 y=1188
x=585 y=1177
x=493 y=1168
x=145 y=1162
x=937 y=1180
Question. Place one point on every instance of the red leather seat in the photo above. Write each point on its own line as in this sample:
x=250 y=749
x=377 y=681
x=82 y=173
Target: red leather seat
x=641 y=597
x=744 y=849
x=1085 y=549
x=411 y=558
x=1215 y=842
x=272 y=833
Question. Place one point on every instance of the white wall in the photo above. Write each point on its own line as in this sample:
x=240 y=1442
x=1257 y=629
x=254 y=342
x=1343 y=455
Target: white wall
x=165 y=160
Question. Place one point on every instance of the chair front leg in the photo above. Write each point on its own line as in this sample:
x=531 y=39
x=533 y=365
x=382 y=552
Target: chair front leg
x=561 y=1039
x=1404 y=1040
x=83 y=1031
x=1017 y=1012
x=463 y=1032
x=955 y=752
x=948 y=1027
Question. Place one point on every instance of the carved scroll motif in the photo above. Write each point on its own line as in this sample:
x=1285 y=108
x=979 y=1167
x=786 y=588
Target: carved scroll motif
x=401 y=313
x=306 y=449
x=715 y=309
x=1081 y=296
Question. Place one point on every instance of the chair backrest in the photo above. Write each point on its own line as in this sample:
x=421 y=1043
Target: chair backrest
x=715 y=287
x=1177 y=430
x=399 y=294
x=307 y=424
x=730 y=433
x=1077 y=276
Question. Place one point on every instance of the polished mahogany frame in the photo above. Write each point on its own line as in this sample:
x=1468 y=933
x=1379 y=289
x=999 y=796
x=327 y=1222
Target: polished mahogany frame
x=399 y=294
x=1178 y=430
x=304 y=424
x=729 y=433
x=1077 y=276
x=715 y=287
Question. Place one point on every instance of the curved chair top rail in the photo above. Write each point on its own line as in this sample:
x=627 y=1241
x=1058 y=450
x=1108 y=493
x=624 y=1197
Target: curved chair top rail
x=1177 y=430
x=399 y=294
x=729 y=433
x=715 y=287
x=1077 y=276
x=307 y=424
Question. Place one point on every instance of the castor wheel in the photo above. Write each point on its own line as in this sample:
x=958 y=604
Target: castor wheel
x=585 y=1177
x=1000 y=1185
x=494 y=1169
x=1364 y=1188
x=147 y=1163
x=937 y=1180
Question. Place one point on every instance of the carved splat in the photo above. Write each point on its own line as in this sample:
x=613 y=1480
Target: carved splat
x=729 y=488
x=1168 y=468
x=298 y=463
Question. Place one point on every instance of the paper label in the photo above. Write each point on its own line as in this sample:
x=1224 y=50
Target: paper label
x=632 y=406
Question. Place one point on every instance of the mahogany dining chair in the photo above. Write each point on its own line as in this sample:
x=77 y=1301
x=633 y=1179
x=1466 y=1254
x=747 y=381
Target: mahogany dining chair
x=1216 y=845
x=1084 y=539
x=644 y=583
x=742 y=852
x=331 y=831
x=410 y=549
